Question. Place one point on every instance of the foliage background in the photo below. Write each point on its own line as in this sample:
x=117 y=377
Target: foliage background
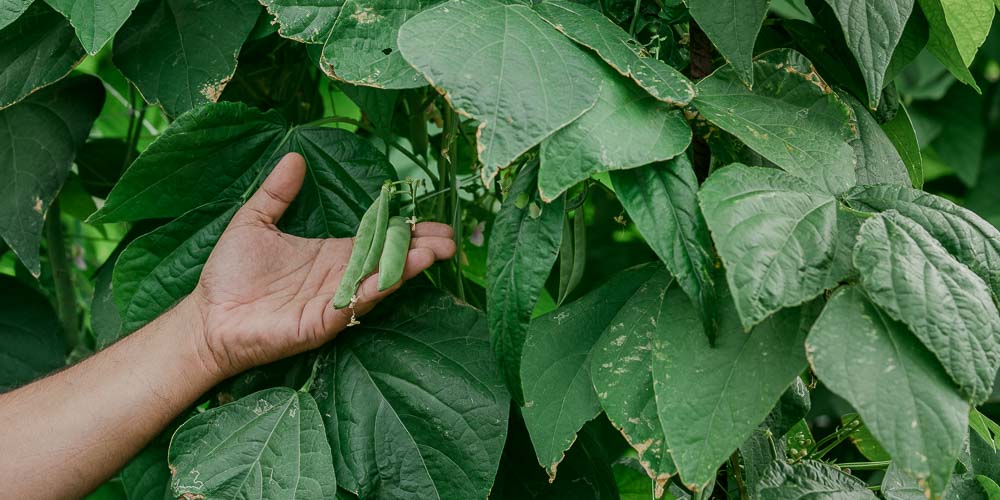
x=328 y=87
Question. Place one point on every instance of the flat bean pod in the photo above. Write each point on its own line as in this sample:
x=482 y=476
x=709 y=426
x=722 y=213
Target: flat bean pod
x=393 y=260
x=362 y=243
x=378 y=238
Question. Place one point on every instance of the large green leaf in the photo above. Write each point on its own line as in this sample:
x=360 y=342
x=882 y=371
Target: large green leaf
x=524 y=244
x=504 y=67
x=360 y=37
x=900 y=132
x=872 y=30
x=35 y=50
x=101 y=163
x=776 y=234
x=662 y=201
x=177 y=53
x=732 y=26
x=914 y=411
x=711 y=397
x=791 y=117
x=949 y=308
x=157 y=270
x=147 y=475
x=96 y=21
x=876 y=159
x=810 y=479
x=413 y=404
x=37 y=144
x=969 y=238
x=31 y=343
x=216 y=151
x=592 y=29
x=556 y=369
x=627 y=128
x=267 y=445
x=11 y=10
x=957 y=29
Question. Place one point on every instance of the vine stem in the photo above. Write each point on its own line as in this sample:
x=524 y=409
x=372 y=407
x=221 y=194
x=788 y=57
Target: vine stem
x=635 y=18
x=879 y=465
x=59 y=261
x=449 y=154
x=701 y=66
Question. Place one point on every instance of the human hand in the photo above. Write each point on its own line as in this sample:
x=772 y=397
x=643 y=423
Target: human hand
x=265 y=295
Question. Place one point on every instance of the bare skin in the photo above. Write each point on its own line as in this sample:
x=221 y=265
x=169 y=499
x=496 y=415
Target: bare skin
x=263 y=295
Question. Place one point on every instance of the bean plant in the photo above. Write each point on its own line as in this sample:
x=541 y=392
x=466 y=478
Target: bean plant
x=707 y=248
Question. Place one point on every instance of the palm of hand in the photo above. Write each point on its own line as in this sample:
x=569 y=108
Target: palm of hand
x=265 y=295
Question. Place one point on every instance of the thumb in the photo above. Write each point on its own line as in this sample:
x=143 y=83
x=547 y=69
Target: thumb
x=277 y=191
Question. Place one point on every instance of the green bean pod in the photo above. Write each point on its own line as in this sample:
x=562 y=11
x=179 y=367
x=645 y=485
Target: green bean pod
x=362 y=243
x=378 y=239
x=393 y=260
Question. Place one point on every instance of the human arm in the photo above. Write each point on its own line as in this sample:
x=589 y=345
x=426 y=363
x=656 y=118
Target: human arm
x=263 y=295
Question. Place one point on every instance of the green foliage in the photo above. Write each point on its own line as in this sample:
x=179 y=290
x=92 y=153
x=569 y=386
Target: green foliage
x=702 y=244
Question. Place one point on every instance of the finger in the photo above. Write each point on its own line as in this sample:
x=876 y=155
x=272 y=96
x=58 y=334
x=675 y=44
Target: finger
x=417 y=260
x=443 y=248
x=277 y=191
x=433 y=229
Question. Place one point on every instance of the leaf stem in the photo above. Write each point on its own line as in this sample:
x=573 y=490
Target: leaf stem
x=449 y=155
x=59 y=261
x=635 y=18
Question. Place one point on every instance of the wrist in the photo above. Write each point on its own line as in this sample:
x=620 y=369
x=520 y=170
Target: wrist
x=190 y=315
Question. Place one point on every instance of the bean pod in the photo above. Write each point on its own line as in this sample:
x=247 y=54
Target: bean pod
x=356 y=264
x=393 y=260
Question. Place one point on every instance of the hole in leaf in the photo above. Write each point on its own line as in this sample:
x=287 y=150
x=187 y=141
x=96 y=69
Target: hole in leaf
x=387 y=51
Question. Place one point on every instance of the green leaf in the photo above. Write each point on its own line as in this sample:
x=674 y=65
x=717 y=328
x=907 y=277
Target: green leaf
x=159 y=269
x=897 y=485
x=96 y=21
x=414 y=406
x=776 y=234
x=627 y=128
x=966 y=236
x=957 y=29
x=662 y=201
x=100 y=163
x=360 y=37
x=516 y=270
x=176 y=52
x=792 y=117
x=593 y=30
x=991 y=487
x=216 y=151
x=810 y=479
x=11 y=10
x=963 y=133
x=915 y=412
x=37 y=144
x=872 y=30
x=621 y=369
x=496 y=63
x=900 y=132
x=875 y=156
x=31 y=342
x=147 y=475
x=711 y=397
x=911 y=43
x=267 y=445
x=732 y=26
x=912 y=277
x=35 y=50
x=556 y=369
x=105 y=321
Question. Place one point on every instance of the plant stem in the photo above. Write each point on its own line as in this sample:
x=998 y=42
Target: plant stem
x=59 y=260
x=865 y=465
x=449 y=155
x=635 y=18
x=735 y=462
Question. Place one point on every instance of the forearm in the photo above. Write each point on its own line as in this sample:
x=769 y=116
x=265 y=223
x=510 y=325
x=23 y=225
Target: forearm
x=62 y=436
